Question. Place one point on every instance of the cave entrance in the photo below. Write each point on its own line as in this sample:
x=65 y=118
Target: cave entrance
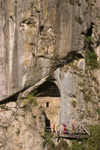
x=48 y=89
x=48 y=97
x=47 y=123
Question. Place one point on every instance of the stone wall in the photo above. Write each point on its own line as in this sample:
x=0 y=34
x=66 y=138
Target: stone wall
x=52 y=111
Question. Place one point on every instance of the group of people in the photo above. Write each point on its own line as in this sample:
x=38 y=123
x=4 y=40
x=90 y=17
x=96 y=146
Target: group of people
x=65 y=129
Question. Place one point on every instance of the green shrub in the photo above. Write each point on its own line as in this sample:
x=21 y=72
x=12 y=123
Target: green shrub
x=80 y=74
x=92 y=143
x=94 y=140
x=63 y=145
x=71 y=2
x=87 y=97
x=76 y=145
x=34 y=116
x=33 y=54
x=88 y=39
x=32 y=99
x=47 y=136
x=81 y=84
x=78 y=2
x=78 y=19
x=96 y=89
x=73 y=102
x=91 y=59
x=83 y=90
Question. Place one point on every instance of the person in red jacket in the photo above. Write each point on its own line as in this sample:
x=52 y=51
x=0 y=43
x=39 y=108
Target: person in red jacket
x=64 y=125
x=54 y=129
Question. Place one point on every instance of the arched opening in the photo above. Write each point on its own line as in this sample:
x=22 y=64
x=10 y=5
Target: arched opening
x=48 y=97
x=48 y=89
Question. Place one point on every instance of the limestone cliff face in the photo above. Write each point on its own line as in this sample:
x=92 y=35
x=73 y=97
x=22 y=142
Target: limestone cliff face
x=80 y=98
x=21 y=126
x=37 y=35
x=45 y=40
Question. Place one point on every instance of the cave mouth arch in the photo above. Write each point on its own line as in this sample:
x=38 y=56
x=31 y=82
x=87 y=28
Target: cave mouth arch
x=47 y=89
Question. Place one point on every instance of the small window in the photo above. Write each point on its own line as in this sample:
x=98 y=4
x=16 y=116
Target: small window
x=47 y=104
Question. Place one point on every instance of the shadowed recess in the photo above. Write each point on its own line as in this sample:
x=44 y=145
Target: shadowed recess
x=48 y=89
x=73 y=55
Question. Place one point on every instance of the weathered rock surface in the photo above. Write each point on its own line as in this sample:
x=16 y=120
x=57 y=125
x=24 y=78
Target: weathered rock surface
x=20 y=126
x=79 y=94
x=36 y=40
x=36 y=35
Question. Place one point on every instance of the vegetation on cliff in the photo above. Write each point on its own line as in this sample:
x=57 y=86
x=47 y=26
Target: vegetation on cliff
x=92 y=143
x=91 y=59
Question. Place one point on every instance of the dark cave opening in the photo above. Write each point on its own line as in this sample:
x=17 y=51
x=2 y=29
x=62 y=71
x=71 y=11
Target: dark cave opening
x=47 y=89
x=88 y=41
x=47 y=122
x=41 y=28
x=89 y=32
x=73 y=55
